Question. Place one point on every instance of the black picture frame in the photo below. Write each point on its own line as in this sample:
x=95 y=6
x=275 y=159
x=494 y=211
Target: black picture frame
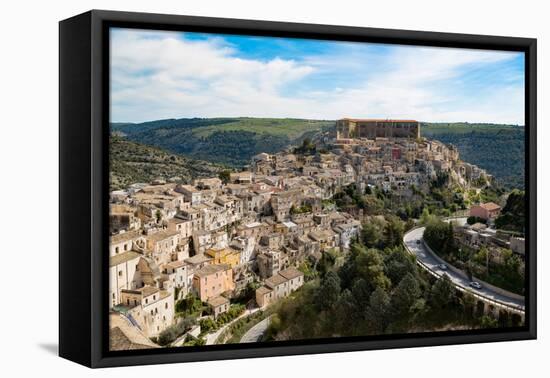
x=83 y=181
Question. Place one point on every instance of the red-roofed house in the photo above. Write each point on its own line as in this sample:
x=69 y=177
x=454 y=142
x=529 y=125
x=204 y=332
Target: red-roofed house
x=489 y=210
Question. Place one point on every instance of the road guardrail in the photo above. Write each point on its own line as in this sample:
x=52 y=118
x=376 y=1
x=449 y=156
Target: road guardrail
x=513 y=308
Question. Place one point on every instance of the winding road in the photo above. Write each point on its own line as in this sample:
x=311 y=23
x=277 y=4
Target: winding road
x=255 y=333
x=414 y=243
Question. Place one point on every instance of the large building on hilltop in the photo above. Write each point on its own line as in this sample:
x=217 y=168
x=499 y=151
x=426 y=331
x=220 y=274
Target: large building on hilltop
x=347 y=128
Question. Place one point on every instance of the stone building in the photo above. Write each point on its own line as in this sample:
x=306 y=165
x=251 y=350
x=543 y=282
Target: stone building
x=377 y=128
x=151 y=308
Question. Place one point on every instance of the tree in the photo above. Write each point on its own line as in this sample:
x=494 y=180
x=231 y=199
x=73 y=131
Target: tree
x=225 y=176
x=329 y=291
x=345 y=308
x=405 y=296
x=488 y=322
x=468 y=303
x=397 y=264
x=426 y=217
x=440 y=237
x=513 y=214
x=483 y=257
x=189 y=305
x=379 y=310
x=442 y=292
x=393 y=232
x=371 y=234
x=307 y=147
x=361 y=292
x=370 y=267
x=208 y=324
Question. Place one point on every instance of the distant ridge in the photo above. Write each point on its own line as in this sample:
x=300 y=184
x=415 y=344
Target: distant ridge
x=232 y=141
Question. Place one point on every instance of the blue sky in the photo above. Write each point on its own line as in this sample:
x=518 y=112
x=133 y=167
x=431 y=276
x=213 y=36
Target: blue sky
x=157 y=75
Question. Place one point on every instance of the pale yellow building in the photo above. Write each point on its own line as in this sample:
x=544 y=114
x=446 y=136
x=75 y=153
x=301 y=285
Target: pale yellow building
x=227 y=256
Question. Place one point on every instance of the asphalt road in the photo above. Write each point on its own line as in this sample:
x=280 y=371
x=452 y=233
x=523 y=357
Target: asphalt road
x=255 y=333
x=413 y=240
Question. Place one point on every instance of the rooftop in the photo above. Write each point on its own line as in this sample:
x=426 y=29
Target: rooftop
x=211 y=269
x=490 y=206
x=175 y=264
x=161 y=235
x=123 y=257
x=275 y=280
x=291 y=273
x=123 y=237
x=218 y=301
x=198 y=259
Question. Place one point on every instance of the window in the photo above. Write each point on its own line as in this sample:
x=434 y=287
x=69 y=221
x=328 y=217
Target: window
x=116 y=249
x=120 y=273
x=166 y=305
x=154 y=297
x=125 y=247
x=146 y=300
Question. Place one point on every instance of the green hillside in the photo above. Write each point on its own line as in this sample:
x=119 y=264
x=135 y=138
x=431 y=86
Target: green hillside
x=499 y=149
x=229 y=141
x=233 y=141
x=133 y=162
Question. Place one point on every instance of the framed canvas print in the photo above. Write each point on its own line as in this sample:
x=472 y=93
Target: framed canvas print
x=234 y=188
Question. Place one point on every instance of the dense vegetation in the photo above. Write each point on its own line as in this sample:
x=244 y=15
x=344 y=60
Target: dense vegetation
x=440 y=237
x=377 y=288
x=229 y=141
x=499 y=149
x=170 y=334
x=133 y=162
x=209 y=324
x=499 y=267
x=239 y=328
x=442 y=201
x=376 y=291
x=512 y=217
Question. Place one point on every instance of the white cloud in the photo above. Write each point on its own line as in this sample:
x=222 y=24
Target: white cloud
x=161 y=75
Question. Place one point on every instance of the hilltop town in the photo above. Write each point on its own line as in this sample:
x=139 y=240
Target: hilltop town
x=212 y=242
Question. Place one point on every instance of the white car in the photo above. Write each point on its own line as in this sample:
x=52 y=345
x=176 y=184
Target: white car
x=442 y=266
x=476 y=285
